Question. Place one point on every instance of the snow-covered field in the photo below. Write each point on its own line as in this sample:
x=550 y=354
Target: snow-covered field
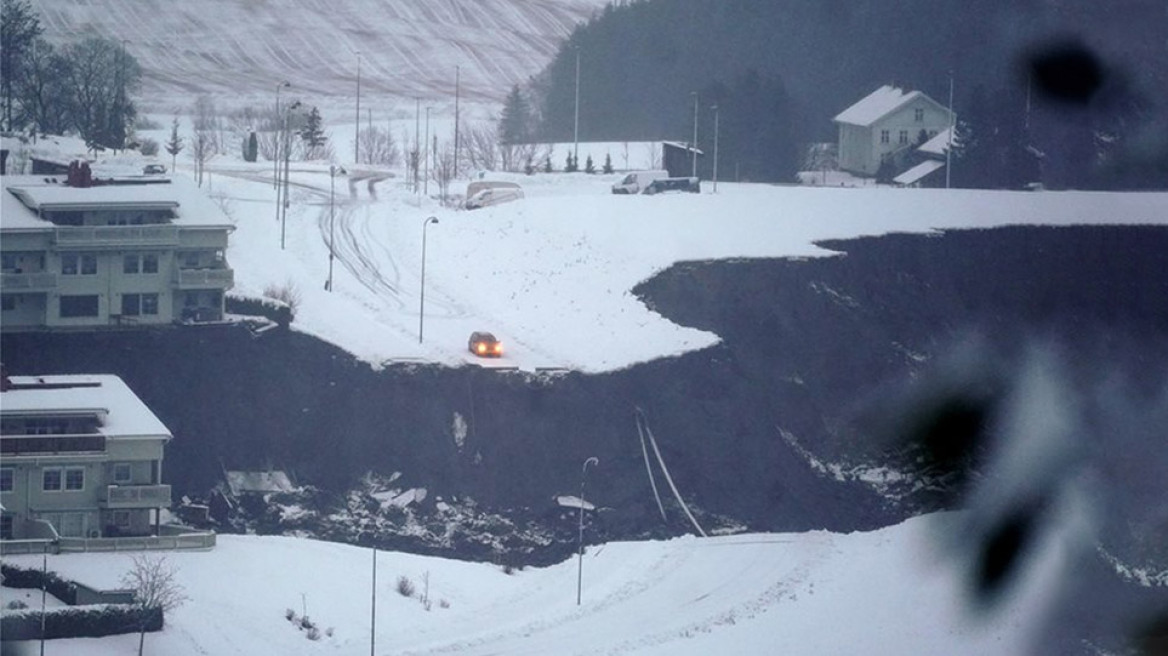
x=551 y=274
x=891 y=591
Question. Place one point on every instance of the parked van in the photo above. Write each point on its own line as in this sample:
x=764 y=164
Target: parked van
x=636 y=182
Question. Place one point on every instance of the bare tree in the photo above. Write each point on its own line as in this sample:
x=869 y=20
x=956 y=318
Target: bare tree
x=480 y=149
x=444 y=170
x=155 y=590
x=378 y=147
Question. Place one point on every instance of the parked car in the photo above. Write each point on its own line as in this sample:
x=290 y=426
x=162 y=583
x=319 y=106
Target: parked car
x=153 y=169
x=692 y=185
x=493 y=196
x=637 y=182
x=484 y=345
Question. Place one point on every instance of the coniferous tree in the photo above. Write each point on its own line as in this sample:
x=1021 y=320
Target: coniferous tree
x=589 y=167
x=251 y=148
x=313 y=133
x=175 y=144
x=547 y=164
x=607 y=163
x=515 y=121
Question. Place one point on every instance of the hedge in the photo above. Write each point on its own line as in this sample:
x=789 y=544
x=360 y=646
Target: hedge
x=80 y=622
x=30 y=579
x=260 y=307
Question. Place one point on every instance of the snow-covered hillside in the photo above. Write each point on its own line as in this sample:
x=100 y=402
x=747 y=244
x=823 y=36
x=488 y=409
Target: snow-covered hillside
x=552 y=274
x=238 y=50
x=887 y=592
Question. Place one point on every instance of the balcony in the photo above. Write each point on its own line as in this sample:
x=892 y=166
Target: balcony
x=13 y=446
x=203 y=278
x=91 y=237
x=136 y=496
x=28 y=282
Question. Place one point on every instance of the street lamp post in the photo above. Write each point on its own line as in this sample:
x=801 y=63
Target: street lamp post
x=357 y=123
x=580 y=539
x=426 y=158
x=373 y=605
x=276 y=157
x=576 y=120
x=422 y=296
x=695 y=138
x=282 y=207
x=333 y=170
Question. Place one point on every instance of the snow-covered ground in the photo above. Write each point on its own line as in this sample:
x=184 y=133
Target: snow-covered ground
x=552 y=274
x=891 y=591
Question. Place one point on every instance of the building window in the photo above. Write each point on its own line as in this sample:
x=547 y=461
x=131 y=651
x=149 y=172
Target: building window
x=51 y=480
x=884 y=138
x=88 y=264
x=932 y=133
x=139 y=304
x=68 y=264
x=7 y=479
x=122 y=518
x=919 y=115
x=189 y=260
x=150 y=263
x=131 y=305
x=8 y=302
x=78 y=306
x=122 y=473
x=150 y=304
x=74 y=479
x=130 y=264
x=903 y=137
x=8 y=263
x=5 y=526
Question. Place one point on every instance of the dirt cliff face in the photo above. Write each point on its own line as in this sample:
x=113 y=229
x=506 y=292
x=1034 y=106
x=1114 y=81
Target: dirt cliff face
x=748 y=428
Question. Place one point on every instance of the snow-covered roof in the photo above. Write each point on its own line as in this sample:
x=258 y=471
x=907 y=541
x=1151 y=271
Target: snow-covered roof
x=105 y=395
x=877 y=105
x=919 y=171
x=938 y=144
x=23 y=196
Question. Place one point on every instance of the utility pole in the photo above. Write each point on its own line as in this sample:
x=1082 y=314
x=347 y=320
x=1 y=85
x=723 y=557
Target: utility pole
x=276 y=157
x=357 y=123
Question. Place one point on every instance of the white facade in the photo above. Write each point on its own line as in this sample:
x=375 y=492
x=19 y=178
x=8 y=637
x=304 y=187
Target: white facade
x=82 y=454
x=133 y=253
x=886 y=124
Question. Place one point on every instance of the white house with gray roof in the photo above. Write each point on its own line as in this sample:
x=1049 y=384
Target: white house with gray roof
x=81 y=454
x=886 y=124
x=131 y=251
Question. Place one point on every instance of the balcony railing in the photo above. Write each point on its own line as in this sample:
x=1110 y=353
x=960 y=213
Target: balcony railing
x=224 y=278
x=114 y=236
x=31 y=282
x=41 y=445
x=137 y=496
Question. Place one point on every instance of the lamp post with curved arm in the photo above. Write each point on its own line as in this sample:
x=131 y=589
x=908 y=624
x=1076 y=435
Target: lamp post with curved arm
x=580 y=539
x=422 y=296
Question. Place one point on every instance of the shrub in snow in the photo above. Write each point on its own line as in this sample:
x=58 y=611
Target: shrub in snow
x=313 y=633
x=405 y=587
x=289 y=614
x=148 y=147
x=329 y=632
x=16 y=604
x=287 y=294
x=442 y=603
